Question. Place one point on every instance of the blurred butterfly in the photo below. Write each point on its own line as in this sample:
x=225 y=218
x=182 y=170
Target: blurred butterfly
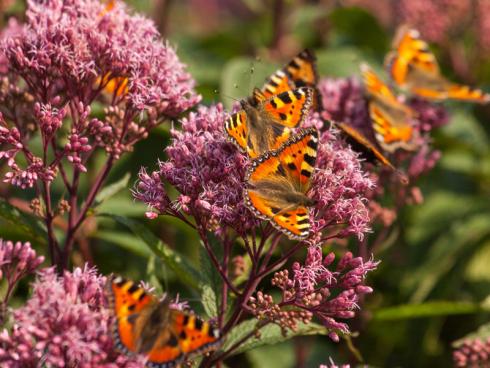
x=299 y=72
x=145 y=325
x=277 y=183
x=413 y=66
x=391 y=119
x=264 y=123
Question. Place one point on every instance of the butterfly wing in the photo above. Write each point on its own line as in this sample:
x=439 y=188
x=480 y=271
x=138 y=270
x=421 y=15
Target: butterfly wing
x=126 y=301
x=439 y=88
x=195 y=335
x=278 y=83
x=238 y=130
x=390 y=118
x=288 y=108
x=184 y=336
x=414 y=66
x=410 y=50
x=300 y=71
x=278 y=182
x=363 y=145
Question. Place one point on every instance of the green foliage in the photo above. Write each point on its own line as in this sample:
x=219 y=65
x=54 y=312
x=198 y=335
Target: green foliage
x=20 y=223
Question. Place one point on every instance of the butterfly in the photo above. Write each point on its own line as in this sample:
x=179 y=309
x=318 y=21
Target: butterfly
x=277 y=183
x=264 y=123
x=412 y=65
x=391 y=119
x=299 y=72
x=145 y=325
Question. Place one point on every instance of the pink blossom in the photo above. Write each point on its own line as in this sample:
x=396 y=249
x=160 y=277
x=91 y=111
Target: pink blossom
x=472 y=353
x=316 y=290
x=64 y=323
x=61 y=61
x=436 y=19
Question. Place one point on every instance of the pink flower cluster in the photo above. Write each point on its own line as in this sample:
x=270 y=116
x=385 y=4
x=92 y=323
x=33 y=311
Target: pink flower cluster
x=67 y=55
x=17 y=260
x=472 y=353
x=64 y=323
x=209 y=172
x=315 y=291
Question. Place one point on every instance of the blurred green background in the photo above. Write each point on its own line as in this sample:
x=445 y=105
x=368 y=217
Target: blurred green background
x=432 y=285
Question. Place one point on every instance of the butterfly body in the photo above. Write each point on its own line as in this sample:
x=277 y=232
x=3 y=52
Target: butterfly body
x=263 y=123
x=413 y=66
x=278 y=182
x=145 y=325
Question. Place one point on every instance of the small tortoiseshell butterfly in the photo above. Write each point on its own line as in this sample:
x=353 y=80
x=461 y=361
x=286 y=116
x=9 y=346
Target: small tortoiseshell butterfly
x=391 y=119
x=299 y=72
x=265 y=123
x=412 y=65
x=145 y=325
x=278 y=182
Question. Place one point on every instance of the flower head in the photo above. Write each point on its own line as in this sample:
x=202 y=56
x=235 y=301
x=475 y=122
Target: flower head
x=65 y=57
x=316 y=290
x=472 y=353
x=17 y=260
x=64 y=323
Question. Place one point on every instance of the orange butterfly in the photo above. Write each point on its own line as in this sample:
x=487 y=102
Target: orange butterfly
x=299 y=72
x=265 y=123
x=278 y=182
x=145 y=325
x=413 y=66
x=391 y=119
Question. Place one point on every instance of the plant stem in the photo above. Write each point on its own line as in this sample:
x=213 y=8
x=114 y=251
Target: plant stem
x=224 y=276
x=224 y=291
x=76 y=220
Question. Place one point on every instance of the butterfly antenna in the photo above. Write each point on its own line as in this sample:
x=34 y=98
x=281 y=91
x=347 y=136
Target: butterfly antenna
x=217 y=92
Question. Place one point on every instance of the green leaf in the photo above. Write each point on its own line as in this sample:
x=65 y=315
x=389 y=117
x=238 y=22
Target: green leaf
x=209 y=301
x=269 y=334
x=112 y=189
x=342 y=61
x=428 y=309
x=445 y=252
x=212 y=282
x=126 y=241
x=24 y=222
x=184 y=270
x=466 y=129
x=477 y=267
x=151 y=273
x=347 y=21
x=123 y=206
